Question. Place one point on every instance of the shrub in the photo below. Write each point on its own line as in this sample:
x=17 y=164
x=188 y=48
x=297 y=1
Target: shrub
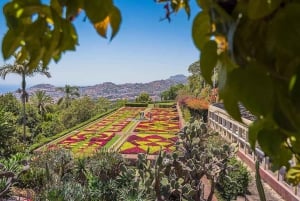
x=235 y=181
x=136 y=104
x=166 y=105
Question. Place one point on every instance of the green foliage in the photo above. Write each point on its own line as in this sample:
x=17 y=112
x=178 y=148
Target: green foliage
x=9 y=103
x=51 y=18
x=79 y=111
x=42 y=101
x=10 y=143
x=70 y=93
x=166 y=105
x=10 y=170
x=143 y=98
x=105 y=165
x=234 y=181
x=172 y=92
x=136 y=104
x=247 y=34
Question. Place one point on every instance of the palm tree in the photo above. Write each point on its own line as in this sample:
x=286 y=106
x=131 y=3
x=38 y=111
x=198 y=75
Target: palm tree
x=70 y=92
x=23 y=69
x=41 y=100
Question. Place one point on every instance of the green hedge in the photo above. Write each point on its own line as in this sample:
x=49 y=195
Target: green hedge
x=44 y=141
x=136 y=104
x=166 y=105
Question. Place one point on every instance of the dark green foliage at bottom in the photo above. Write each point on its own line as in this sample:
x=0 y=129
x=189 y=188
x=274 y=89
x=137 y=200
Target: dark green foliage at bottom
x=234 y=181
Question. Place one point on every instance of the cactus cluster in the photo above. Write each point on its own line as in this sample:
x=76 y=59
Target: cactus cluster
x=177 y=176
x=168 y=178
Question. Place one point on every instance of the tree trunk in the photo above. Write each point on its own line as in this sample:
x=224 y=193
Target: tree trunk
x=23 y=97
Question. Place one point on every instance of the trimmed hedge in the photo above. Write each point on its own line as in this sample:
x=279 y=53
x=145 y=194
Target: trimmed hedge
x=166 y=105
x=44 y=141
x=136 y=104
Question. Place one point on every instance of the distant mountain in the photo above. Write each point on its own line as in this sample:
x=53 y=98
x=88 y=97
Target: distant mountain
x=43 y=86
x=114 y=91
x=179 y=78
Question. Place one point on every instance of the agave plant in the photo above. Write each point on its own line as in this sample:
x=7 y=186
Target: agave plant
x=10 y=170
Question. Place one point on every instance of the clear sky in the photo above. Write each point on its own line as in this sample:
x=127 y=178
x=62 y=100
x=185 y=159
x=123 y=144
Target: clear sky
x=144 y=50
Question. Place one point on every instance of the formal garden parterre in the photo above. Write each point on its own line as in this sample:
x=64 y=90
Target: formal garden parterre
x=95 y=136
x=157 y=132
x=139 y=129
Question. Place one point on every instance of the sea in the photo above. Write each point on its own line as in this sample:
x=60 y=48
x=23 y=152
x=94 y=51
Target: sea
x=8 y=88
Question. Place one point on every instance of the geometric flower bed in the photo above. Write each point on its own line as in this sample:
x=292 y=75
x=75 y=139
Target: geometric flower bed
x=163 y=120
x=140 y=143
x=98 y=134
x=159 y=127
x=154 y=134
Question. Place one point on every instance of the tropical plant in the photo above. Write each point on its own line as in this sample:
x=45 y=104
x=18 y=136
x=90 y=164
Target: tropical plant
x=10 y=170
x=22 y=68
x=10 y=103
x=42 y=101
x=7 y=134
x=70 y=93
x=143 y=98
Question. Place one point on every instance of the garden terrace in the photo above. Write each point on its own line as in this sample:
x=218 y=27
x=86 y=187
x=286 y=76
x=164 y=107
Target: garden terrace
x=101 y=133
x=126 y=131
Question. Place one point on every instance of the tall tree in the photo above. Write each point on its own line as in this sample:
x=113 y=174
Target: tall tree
x=172 y=92
x=23 y=69
x=41 y=100
x=143 y=98
x=70 y=92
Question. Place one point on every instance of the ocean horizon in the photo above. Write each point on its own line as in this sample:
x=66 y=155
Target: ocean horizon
x=8 y=88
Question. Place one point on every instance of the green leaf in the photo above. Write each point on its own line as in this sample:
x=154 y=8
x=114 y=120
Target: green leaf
x=10 y=43
x=68 y=39
x=208 y=60
x=115 y=21
x=244 y=82
x=203 y=4
x=262 y=8
x=255 y=128
x=191 y=193
x=270 y=141
x=285 y=113
x=293 y=174
x=97 y=10
x=231 y=105
x=201 y=29
x=286 y=44
x=56 y=6
x=73 y=8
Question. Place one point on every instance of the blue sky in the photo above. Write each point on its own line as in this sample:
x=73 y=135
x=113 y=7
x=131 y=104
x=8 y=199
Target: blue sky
x=143 y=50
